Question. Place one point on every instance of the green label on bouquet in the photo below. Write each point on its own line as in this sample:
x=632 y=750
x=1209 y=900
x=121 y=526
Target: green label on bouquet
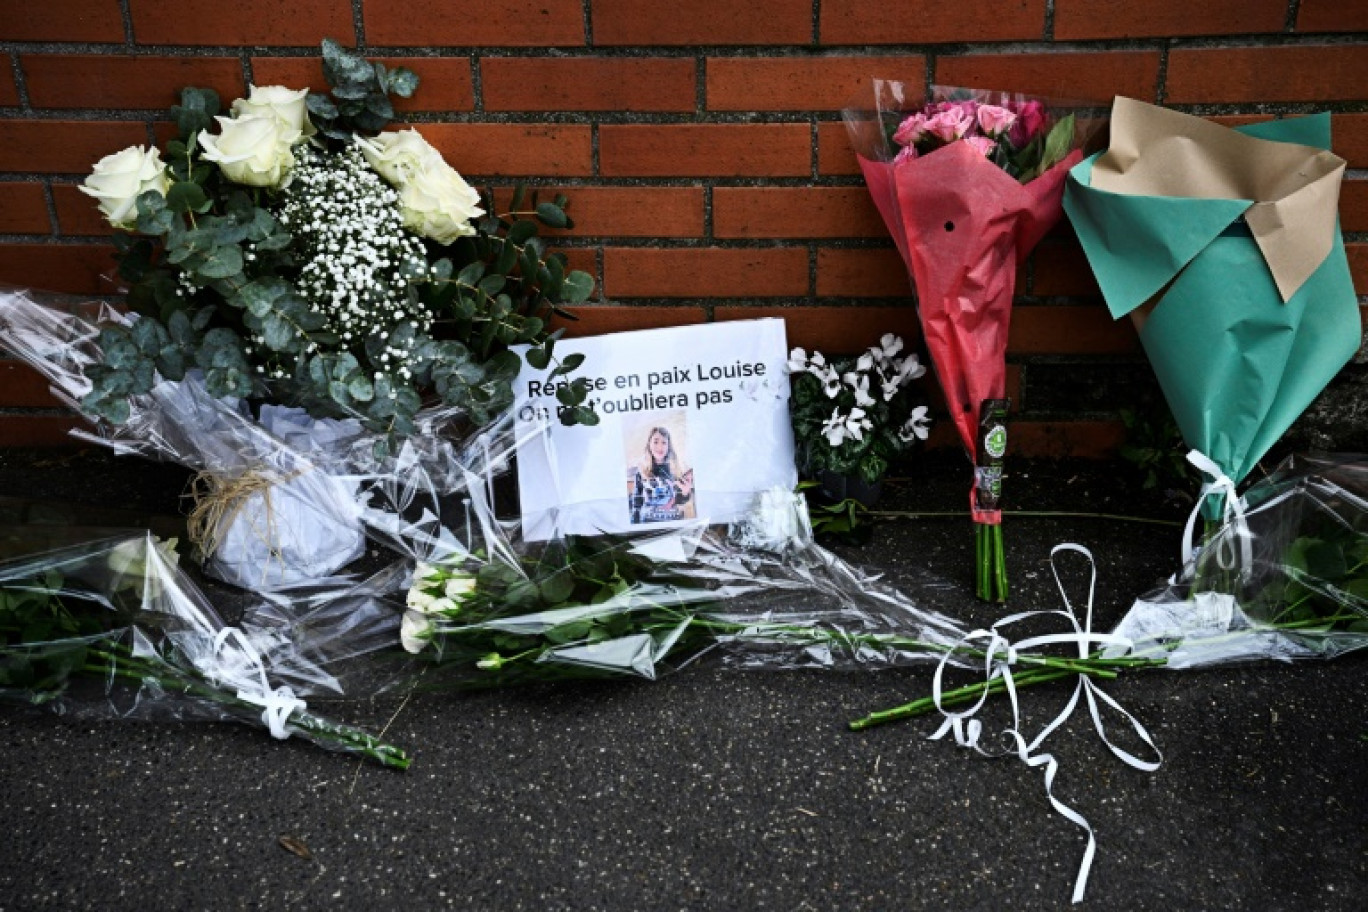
x=992 y=447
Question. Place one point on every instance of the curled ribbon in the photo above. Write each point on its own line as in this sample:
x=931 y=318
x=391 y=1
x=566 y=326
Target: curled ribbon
x=1000 y=654
x=278 y=704
x=1233 y=515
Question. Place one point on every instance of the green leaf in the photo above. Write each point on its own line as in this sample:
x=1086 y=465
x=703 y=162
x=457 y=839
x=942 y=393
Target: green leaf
x=402 y=82
x=471 y=274
x=522 y=232
x=221 y=262
x=577 y=288
x=539 y=357
x=553 y=215
x=322 y=107
x=185 y=196
x=361 y=389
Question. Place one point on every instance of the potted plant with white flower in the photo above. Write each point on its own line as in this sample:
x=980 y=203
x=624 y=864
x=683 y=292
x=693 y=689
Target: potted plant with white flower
x=291 y=251
x=852 y=416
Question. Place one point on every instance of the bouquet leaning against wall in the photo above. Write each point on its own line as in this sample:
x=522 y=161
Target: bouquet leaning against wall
x=305 y=293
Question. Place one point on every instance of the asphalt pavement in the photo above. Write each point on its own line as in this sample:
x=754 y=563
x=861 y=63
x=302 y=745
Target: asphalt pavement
x=715 y=788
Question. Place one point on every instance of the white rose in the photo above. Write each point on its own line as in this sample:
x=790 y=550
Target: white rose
x=399 y=154
x=252 y=150
x=288 y=106
x=119 y=179
x=438 y=204
x=433 y=198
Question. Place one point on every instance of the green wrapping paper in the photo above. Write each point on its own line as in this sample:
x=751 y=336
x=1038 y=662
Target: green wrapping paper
x=1224 y=247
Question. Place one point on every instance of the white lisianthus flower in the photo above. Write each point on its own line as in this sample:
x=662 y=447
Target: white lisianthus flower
x=289 y=106
x=255 y=151
x=119 y=179
x=415 y=631
x=459 y=587
x=434 y=199
x=418 y=600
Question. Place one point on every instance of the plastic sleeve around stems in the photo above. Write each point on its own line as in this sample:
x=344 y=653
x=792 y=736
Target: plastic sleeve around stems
x=1303 y=594
x=120 y=616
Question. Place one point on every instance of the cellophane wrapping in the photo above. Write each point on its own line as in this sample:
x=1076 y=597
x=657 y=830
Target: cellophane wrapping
x=1285 y=579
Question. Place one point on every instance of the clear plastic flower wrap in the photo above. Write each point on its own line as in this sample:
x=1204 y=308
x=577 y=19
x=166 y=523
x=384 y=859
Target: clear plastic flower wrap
x=112 y=629
x=275 y=506
x=1285 y=578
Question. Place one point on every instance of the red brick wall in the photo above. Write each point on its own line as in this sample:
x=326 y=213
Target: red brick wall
x=699 y=140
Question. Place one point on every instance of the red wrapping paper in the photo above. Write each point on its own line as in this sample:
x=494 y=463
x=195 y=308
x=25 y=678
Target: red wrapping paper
x=963 y=226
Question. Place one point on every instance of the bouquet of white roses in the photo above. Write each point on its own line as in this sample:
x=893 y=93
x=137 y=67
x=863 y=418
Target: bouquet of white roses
x=307 y=294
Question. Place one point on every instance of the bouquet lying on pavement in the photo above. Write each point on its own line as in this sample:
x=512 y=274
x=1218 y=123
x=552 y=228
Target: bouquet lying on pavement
x=341 y=281
x=968 y=183
x=112 y=629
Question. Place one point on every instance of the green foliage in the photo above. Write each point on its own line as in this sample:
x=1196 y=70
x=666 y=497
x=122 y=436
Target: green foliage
x=1155 y=450
x=215 y=278
x=887 y=426
x=42 y=643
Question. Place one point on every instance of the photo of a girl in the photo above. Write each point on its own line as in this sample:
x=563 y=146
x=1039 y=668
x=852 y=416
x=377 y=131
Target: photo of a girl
x=659 y=487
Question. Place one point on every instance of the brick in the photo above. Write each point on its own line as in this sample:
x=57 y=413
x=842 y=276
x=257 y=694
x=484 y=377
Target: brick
x=63 y=146
x=862 y=22
x=834 y=153
x=77 y=214
x=645 y=272
x=1353 y=205
x=1061 y=270
x=39 y=430
x=1073 y=387
x=23 y=387
x=1069 y=330
x=833 y=330
x=23 y=210
x=472 y=23
x=625 y=211
x=246 y=22
x=515 y=150
x=1080 y=19
x=1358 y=266
x=702 y=150
x=1349 y=138
x=90 y=81
x=62 y=20
x=9 y=91
x=707 y=22
x=1080 y=75
x=1066 y=439
x=799 y=83
x=596 y=320
x=1245 y=74
x=73 y=268
x=795 y=212
x=444 y=83
x=588 y=84
x=1331 y=16
x=862 y=274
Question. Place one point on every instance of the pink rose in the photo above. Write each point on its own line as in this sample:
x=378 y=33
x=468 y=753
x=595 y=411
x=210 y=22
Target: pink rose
x=906 y=153
x=910 y=130
x=995 y=121
x=949 y=126
x=1030 y=120
x=981 y=144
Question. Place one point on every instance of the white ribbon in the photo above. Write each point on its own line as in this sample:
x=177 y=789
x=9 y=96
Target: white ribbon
x=277 y=704
x=1233 y=515
x=1000 y=654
